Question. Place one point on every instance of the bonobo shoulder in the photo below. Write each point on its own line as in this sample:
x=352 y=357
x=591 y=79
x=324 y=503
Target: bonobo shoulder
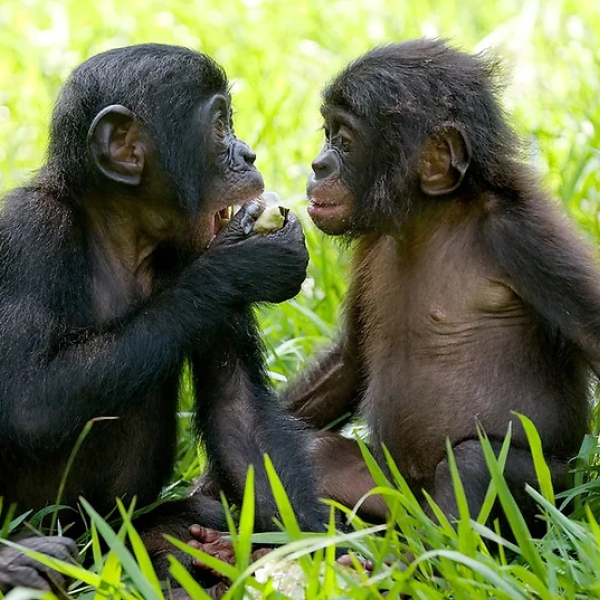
x=35 y=231
x=31 y=216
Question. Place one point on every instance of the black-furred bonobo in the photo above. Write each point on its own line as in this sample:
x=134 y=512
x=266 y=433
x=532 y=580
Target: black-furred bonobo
x=115 y=269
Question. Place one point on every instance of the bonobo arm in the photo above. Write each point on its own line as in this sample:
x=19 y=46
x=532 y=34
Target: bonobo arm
x=329 y=390
x=550 y=269
x=53 y=380
x=239 y=420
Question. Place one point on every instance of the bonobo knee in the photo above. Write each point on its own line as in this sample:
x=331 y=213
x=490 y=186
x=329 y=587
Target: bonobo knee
x=473 y=472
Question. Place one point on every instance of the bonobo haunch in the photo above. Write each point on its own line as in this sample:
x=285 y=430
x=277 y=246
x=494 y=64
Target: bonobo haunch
x=471 y=297
x=107 y=287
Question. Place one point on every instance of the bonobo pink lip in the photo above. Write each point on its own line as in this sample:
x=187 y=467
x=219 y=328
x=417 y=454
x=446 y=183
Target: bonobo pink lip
x=318 y=209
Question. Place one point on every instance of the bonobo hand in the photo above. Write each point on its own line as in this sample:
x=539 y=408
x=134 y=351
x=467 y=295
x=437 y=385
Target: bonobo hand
x=19 y=570
x=263 y=267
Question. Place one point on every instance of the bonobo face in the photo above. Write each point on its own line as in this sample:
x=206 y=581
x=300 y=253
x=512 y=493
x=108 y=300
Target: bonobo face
x=334 y=171
x=232 y=178
x=203 y=171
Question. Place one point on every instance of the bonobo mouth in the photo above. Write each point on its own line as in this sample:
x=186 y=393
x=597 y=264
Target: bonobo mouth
x=322 y=210
x=330 y=206
x=222 y=218
x=224 y=215
x=326 y=203
x=237 y=195
x=327 y=198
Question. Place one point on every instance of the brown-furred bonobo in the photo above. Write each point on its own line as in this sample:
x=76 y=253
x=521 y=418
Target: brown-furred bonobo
x=472 y=296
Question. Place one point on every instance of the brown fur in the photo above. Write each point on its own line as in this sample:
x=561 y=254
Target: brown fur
x=472 y=297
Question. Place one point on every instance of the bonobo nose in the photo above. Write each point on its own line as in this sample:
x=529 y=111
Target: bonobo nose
x=249 y=155
x=244 y=156
x=325 y=166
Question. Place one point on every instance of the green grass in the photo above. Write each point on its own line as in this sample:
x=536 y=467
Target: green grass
x=278 y=55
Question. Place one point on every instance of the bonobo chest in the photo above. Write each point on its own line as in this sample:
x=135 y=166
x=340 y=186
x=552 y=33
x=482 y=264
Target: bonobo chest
x=429 y=294
x=115 y=291
x=439 y=323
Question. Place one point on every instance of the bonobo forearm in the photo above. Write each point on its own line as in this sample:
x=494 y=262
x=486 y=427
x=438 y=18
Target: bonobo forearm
x=50 y=392
x=328 y=392
x=241 y=422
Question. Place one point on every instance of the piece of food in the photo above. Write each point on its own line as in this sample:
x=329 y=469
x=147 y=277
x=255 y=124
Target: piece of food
x=273 y=217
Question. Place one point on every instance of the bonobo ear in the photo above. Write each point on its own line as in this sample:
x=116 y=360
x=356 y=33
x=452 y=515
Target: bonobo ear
x=115 y=142
x=443 y=161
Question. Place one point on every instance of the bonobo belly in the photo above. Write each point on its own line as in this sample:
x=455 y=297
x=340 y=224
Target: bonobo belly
x=125 y=457
x=435 y=382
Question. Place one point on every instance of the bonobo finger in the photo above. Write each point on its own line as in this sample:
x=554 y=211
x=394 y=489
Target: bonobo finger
x=245 y=218
x=204 y=534
x=293 y=227
x=217 y=591
x=258 y=554
x=346 y=561
x=60 y=547
x=63 y=549
x=178 y=594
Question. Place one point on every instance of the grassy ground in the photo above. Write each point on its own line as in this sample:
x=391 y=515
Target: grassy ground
x=278 y=55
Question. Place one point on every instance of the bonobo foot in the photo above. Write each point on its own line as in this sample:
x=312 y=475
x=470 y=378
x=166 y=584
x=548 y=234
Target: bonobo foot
x=214 y=543
x=19 y=570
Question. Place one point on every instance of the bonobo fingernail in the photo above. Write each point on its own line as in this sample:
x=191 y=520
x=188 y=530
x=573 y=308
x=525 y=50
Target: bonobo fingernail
x=247 y=227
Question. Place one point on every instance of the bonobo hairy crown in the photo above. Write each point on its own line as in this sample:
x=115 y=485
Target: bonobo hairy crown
x=159 y=83
x=405 y=91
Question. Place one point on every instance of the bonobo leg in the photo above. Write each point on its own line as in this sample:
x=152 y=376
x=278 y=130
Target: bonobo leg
x=343 y=476
x=475 y=477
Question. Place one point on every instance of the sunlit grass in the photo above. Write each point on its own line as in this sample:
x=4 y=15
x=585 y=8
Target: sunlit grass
x=278 y=56
x=466 y=559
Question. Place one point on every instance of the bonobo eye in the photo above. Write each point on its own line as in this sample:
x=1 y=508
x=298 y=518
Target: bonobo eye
x=327 y=132
x=220 y=125
x=343 y=139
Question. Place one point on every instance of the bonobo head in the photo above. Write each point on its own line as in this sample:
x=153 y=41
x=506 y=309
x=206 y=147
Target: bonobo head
x=407 y=124
x=151 y=122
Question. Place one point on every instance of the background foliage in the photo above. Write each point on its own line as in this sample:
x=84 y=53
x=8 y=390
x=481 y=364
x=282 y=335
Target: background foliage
x=278 y=55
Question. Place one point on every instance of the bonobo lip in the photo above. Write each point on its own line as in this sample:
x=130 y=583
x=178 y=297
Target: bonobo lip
x=319 y=210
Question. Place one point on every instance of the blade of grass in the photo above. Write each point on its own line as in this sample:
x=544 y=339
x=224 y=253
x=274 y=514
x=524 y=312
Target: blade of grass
x=141 y=554
x=490 y=497
x=542 y=470
x=511 y=510
x=63 y=482
x=120 y=550
x=185 y=579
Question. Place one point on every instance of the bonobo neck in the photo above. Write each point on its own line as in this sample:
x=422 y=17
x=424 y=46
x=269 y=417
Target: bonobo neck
x=128 y=232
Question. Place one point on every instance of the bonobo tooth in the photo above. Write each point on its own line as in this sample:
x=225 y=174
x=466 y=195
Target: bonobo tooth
x=274 y=216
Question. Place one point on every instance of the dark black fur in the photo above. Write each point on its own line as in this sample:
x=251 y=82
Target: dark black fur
x=62 y=366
